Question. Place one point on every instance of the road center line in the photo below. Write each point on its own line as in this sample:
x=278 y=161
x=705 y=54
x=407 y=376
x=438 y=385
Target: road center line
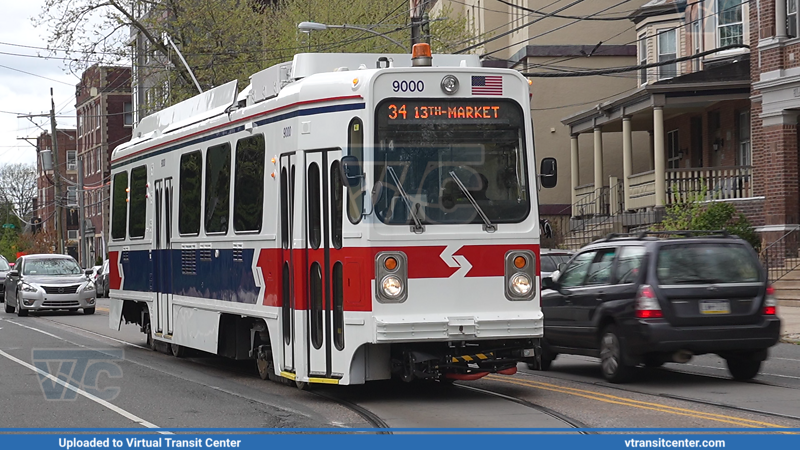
x=79 y=391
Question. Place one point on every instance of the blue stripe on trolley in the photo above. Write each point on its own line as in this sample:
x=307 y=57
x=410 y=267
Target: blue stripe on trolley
x=220 y=278
x=221 y=133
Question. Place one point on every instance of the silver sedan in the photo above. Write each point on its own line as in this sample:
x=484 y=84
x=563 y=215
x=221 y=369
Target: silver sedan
x=48 y=282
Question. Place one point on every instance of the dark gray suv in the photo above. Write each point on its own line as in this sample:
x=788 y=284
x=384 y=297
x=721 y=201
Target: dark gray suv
x=653 y=298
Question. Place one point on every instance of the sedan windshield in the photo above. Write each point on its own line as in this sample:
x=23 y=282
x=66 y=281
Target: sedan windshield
x=431 y=145
x=4 y=265
x=54 y=266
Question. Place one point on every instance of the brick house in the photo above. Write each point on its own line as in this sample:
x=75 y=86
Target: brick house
x=696 y=113
x=105 y=120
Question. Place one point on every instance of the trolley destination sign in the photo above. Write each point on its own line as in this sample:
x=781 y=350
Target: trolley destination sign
x=423 y=111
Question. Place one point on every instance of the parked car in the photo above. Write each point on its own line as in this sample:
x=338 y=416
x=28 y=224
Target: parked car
x=102 y=281
x=47 y=282
x=644 y=299
x=4 y=269
x=96 y=273
x=551 y=259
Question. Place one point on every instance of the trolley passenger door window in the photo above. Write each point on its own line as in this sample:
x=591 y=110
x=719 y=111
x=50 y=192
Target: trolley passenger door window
x=288 y=176
x=322 y=236
x=161 y=255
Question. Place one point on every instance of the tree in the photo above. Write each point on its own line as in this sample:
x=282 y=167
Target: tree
x=223 y=40
x=17 y=189
x=695 y=214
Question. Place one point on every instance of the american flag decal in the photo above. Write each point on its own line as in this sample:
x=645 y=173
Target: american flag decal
x=487 y=85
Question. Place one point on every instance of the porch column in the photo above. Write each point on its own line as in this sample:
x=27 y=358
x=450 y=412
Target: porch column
x=780 y=19
x=598 y=169
x=627 y=159
x=574 y=168
x=659 y=156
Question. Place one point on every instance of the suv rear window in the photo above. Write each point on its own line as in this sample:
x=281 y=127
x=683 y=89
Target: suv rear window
x=702 y=263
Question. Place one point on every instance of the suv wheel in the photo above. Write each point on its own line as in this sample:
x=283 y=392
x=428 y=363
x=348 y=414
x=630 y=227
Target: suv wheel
x=614 y=370
x=743 y=369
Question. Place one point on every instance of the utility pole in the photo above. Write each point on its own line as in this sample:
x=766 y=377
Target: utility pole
x=84 y=255
x=56 y=175
x=415 y=8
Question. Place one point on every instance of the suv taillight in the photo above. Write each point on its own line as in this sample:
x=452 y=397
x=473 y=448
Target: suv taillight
x=647 y=306
x=770 y=302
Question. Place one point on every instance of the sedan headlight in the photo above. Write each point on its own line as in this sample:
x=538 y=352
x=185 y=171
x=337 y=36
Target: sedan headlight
x=29 y=288
x=392 y=287
x=89 y=286
x=520 y=284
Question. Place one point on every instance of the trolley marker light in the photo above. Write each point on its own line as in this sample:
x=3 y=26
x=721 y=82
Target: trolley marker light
x=520 y=275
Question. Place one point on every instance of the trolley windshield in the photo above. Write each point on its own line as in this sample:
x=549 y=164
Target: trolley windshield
x=441 y=150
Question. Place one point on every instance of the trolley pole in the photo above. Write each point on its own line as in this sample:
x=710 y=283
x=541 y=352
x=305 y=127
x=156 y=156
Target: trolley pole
x=57 y=174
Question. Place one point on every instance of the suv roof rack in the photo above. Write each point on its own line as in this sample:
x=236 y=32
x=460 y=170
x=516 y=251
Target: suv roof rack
x=668 y=233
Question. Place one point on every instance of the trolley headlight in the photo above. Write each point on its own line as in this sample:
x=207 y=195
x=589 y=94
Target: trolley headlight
x=392 y=287
x=450 y=84
x=28 y=288
x=520 y=284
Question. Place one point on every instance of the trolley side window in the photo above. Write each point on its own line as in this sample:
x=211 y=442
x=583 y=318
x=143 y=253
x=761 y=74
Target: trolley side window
x=218 y=188
x=355 y=147
x=119 y=206
x=190 y=191
x=248 y=191
x=138 y=202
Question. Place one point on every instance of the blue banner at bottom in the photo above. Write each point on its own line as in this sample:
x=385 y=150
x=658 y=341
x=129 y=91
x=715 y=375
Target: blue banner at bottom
x=417 y=439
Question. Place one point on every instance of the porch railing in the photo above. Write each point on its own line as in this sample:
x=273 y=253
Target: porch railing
x=781 y=257
x=718 y=183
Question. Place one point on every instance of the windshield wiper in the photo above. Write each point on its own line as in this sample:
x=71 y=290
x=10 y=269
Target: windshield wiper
x=417 y=227
x=488 y=226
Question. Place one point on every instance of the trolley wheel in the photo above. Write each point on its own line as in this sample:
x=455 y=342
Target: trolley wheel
x=178 y=351
x=265 y=366
x=302 y=385
x=151 y=343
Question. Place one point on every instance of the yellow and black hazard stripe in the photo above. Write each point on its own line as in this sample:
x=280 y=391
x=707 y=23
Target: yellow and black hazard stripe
x=472 y=358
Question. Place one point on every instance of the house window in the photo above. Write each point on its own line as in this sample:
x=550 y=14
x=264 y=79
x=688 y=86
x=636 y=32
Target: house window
x=128 y=114
x=642 y=58
x=667 y=51
x=697 y=37
x=72 y=156
x=744 y=139
x=729 y=27
x=673 y=150
x=72 y=195
x=791 y=18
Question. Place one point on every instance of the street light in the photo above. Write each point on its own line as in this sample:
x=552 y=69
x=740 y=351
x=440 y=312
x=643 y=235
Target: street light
x=307 y=27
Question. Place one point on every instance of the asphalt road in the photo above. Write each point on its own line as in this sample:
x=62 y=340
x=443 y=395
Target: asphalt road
x=130 y=386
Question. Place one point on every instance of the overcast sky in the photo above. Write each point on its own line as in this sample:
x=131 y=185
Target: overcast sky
x=22 y=86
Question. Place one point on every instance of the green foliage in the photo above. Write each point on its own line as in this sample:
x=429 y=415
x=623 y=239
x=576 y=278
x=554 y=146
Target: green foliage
x=694 y=214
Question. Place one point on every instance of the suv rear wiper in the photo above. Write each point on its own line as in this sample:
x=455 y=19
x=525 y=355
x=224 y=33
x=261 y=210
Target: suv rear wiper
x=417 y=227
x=488 y=226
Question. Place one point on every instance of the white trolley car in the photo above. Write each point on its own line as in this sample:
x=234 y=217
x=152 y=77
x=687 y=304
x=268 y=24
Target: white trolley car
x=345 y=218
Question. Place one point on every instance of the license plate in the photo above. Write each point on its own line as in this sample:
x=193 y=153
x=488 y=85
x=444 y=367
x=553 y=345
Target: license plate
x=715 y=307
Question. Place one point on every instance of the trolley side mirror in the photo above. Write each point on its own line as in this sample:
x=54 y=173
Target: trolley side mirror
x=549 y=173
x=351 y=171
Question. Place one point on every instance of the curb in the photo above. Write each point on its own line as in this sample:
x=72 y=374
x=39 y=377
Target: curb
x=791 y=338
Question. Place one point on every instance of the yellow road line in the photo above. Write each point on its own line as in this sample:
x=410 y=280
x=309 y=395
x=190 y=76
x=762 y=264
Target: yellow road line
x=613 y=399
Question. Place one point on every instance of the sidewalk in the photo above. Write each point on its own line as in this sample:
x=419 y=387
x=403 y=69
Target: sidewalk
x=790 y=322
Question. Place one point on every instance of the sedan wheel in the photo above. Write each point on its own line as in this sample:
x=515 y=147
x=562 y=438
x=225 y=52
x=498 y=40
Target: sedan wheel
x=614 y=369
